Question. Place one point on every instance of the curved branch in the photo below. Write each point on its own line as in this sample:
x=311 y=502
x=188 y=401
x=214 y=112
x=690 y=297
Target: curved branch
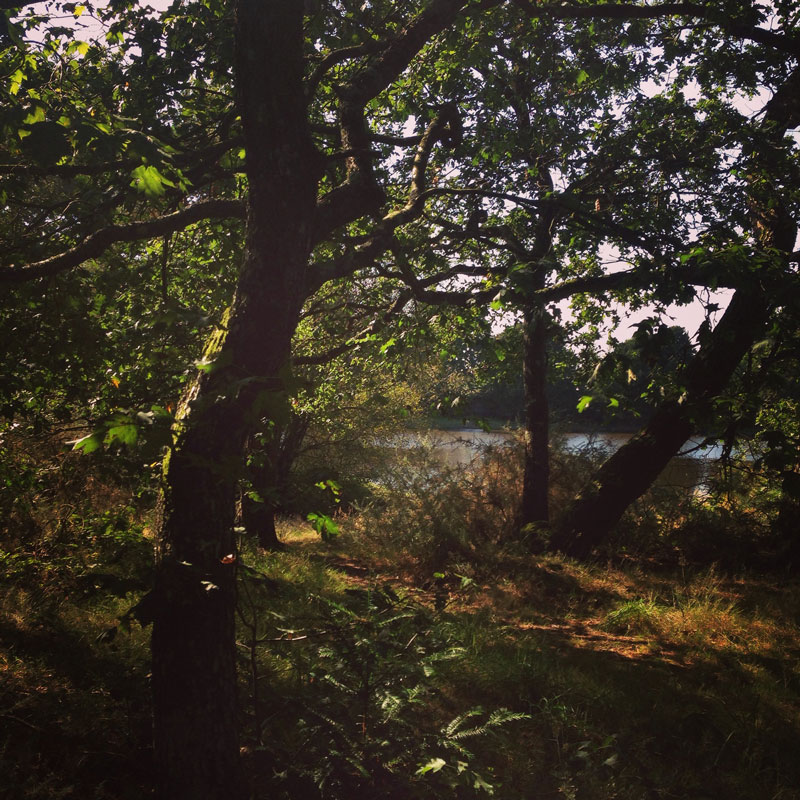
x=786 y=43
x=444 y=127
x=378 y=138
x=397 y=55
x=525 y=202
x=359 y=194
x=97 y=243
x=394 y=309
x=331 y=59
x=356 y=197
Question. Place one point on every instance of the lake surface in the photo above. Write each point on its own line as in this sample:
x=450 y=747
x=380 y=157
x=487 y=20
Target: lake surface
x=458 y=448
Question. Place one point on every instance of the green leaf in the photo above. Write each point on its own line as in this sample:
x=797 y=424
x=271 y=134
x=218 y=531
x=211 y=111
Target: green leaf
x=79 y=47
x=126 y=434
x=148 y=180
x=388 y=345
x=583 y=76
x=584 y=403
x=208 y=365
x=323 y=525
x=36 y=115
x=88 y=444
x=434 y=765
x=16 y=81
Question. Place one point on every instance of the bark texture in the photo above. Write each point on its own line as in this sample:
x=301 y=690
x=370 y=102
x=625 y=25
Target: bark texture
x=536 y=476
x=193 y=640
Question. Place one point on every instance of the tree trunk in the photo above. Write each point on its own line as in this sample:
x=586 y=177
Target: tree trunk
x=536 y=478
x=193 y=640
x=629 y=472
x=634 y=467
x=270 y=479
x=258 y=519
x=193 y=655
x=258 y=515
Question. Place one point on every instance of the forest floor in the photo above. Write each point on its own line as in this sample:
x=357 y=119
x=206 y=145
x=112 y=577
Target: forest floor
x=364 y=673
x=640 y=680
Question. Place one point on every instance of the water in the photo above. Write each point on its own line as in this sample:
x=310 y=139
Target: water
x=690 y=470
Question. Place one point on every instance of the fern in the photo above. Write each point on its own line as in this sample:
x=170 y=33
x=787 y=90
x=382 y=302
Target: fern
x=498 y=718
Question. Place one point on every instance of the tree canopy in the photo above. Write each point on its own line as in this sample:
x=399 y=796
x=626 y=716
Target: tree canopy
x=256 y=166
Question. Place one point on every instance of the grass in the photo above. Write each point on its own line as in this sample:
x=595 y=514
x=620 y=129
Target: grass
x=387 y=664
x=634 y=683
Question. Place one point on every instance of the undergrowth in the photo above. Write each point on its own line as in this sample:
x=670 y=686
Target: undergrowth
x=74 y=714
x=423 y=653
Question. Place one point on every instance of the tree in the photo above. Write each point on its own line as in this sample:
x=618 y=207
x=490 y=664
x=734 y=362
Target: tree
x=291 y=122
x=296 y=199
x=661 y=223
x=633 y=468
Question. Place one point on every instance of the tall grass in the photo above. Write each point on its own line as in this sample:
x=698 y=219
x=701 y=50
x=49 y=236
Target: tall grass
x=424 y=653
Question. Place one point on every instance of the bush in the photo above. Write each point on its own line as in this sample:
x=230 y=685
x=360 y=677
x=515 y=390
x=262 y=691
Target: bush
x=438 y=515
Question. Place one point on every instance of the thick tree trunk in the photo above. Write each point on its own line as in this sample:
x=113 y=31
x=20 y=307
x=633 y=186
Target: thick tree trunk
x=536 y=477
x=193 y=656
x=193 y=641
x=628 y=473
x=634 y=467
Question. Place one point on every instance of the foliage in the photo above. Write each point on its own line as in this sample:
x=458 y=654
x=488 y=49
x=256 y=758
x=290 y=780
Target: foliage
x=443 y=515
x=490 y=155
x=363 y=671
x=73 y=558
x=709 y=665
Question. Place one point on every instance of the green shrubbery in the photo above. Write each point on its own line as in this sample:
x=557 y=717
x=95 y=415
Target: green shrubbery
x=425 y=652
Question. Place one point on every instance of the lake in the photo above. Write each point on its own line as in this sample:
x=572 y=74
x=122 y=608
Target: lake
x=458 y=448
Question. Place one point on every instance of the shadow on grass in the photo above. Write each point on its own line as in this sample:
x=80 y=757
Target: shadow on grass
x=74 y=713
x=623 y=721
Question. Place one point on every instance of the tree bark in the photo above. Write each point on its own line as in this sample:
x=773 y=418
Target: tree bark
x=193 y=640
x=634 y=467
x=536 y=476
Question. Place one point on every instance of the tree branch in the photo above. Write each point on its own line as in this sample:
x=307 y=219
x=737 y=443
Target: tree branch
x=394 y=309
x=359 y=194
x=97 y=243
x=378 y=138
x=786 y=43
x=526 y=202
x=331 y=59
x=399 y=52
x=349 y=200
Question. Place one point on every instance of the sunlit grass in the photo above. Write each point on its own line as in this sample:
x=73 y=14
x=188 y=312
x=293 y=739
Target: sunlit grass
x=636 y=677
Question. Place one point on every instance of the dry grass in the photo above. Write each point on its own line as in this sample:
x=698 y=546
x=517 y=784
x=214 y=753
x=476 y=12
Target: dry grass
x=640 y=677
